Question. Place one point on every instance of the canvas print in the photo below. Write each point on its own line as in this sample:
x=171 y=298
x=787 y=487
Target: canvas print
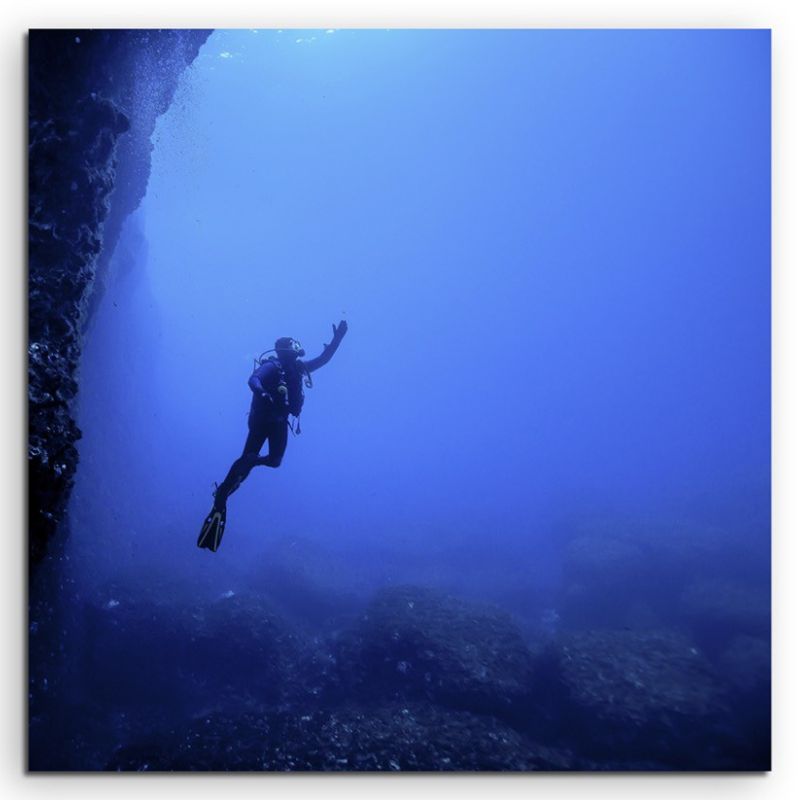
x=399 y=400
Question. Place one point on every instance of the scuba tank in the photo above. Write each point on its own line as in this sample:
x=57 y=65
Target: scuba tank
x=264 y=357
x=281 y=396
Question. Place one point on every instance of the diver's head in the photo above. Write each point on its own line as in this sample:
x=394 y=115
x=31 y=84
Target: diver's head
x=288 y=350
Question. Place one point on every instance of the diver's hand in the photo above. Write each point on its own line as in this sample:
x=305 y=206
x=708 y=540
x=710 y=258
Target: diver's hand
x=339 y=331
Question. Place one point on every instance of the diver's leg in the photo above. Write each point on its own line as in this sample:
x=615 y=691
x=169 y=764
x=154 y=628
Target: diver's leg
x=278 y=435
x=240 y=468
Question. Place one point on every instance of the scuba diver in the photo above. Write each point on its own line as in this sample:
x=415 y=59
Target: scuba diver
x=277 y=386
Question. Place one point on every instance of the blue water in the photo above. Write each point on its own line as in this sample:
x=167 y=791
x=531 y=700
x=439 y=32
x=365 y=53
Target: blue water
x=552 y=250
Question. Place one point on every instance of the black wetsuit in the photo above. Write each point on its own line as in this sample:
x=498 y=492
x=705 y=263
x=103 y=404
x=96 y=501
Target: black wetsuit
x=269 y=416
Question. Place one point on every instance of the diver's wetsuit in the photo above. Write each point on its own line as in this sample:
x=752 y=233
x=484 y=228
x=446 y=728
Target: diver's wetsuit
x=268 y=420
x=269 y=416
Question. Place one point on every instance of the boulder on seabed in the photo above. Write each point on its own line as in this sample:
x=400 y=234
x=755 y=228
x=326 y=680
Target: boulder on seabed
x=628 y=696
x=415 y=642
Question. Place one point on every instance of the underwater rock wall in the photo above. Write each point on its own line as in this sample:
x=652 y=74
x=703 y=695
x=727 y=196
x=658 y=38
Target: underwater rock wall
x=94 y=97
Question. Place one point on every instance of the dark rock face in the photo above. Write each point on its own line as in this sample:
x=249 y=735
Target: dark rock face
x=94 y=97
x=89 y=161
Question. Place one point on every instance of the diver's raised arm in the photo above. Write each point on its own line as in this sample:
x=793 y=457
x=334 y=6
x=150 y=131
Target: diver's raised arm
x=328 y=349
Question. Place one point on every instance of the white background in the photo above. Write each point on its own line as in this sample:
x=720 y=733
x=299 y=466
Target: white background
x=781 y=17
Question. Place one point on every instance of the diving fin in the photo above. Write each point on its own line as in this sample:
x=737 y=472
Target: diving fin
x=212 y=530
